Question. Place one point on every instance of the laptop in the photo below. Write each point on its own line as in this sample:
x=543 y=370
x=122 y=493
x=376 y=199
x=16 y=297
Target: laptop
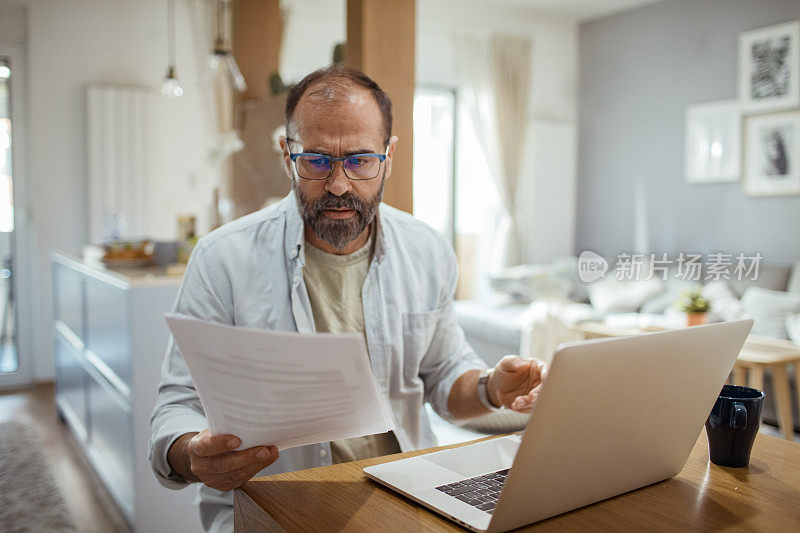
x=613 y=415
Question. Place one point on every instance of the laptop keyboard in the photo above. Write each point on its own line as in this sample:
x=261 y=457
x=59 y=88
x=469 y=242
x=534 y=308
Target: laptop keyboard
x=479 y=491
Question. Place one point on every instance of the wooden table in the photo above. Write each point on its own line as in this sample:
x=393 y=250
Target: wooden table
x=758 y=353
x=594 y=329
x=764 y=496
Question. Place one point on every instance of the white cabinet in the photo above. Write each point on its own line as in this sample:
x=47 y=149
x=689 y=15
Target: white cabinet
x=110 y=338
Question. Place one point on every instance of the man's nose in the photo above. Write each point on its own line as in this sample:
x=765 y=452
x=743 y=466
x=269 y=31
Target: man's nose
x=338 y=182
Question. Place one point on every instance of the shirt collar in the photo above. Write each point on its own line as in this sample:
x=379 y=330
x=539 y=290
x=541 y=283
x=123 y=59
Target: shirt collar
x=380 y=236
x=294 y=229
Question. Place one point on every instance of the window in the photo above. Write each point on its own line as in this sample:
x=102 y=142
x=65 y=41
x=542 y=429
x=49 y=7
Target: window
x=434 y=143
x=453 y=189
x=8 y=348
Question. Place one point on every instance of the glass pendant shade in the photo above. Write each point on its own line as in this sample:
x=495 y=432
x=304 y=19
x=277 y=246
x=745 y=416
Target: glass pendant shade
x=170 y=86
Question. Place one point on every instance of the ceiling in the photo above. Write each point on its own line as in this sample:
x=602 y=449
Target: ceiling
x=579 y=9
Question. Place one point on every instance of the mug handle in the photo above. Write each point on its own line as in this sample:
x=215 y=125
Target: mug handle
x=738 y=416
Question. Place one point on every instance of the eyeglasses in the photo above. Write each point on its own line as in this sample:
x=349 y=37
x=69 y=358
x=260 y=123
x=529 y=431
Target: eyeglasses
x=319 y=167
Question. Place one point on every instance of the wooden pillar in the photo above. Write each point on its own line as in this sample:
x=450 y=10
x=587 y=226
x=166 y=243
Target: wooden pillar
x=380 y=42
x=257 y=33
x=256 y=44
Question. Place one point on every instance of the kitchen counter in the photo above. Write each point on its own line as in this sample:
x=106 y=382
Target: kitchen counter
x=123 y=277
x=110 y=339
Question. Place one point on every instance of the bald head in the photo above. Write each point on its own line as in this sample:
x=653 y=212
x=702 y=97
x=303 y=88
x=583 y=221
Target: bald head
x=328 y=88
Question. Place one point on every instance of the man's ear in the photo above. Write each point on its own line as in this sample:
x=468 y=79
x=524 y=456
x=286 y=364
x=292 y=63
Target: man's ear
x=287 y=160
x=390 y=154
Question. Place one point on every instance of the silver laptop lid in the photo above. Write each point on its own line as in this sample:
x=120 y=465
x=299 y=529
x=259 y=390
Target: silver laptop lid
x=615 y=415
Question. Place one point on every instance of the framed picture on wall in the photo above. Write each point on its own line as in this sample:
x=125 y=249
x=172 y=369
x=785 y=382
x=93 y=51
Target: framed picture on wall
x=713 y=142
x=772 y=154
x=769 y=68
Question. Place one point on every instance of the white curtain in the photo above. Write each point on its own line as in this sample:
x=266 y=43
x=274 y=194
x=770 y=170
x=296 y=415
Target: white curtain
x=495 y=79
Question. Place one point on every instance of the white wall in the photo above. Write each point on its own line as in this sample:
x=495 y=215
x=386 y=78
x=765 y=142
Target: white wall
x=69 y=45
x=12 y=23
x=311 y=29
x=632 y=146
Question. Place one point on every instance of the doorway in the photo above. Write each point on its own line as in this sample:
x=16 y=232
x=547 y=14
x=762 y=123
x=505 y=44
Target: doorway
x=15 y=369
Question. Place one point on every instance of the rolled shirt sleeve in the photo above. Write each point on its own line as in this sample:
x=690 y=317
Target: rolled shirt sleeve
x=178 y=409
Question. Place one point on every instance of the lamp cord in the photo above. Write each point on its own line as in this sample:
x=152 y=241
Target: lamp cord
x=171 y=32
x=220 y=38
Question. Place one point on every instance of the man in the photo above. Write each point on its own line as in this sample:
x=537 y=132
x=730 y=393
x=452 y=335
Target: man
x=330 y=257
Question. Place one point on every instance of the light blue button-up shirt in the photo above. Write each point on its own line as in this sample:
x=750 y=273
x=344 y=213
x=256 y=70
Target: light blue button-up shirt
x=250 y=273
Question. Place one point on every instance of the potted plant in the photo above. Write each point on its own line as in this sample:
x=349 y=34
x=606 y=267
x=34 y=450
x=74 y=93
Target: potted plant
x=694 y=305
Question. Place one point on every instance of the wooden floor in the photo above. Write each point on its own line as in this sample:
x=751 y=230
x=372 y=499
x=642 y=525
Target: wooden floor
x=89 y=504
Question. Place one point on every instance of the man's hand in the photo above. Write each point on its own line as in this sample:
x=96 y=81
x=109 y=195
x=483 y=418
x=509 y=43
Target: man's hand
x=516 y=382
x=209 y=459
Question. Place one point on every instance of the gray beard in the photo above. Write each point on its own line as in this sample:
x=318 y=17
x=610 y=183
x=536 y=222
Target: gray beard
x=338 y=233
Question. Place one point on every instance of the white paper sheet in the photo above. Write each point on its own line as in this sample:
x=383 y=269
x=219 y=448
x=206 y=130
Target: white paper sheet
x=280 y=388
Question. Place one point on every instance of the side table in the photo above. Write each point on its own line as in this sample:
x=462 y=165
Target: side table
x=760 y=353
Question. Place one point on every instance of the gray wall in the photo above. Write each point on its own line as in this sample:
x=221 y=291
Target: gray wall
x=638 y=72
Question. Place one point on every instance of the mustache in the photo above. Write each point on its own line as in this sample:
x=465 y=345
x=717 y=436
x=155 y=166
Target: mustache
x=331 y=201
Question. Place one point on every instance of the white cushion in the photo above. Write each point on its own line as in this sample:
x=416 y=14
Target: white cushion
x=773 y=277
x=769 y=310
x=793 y=326
x=794 y=278
x=724 y=303
x=666 y=299
x=611 y=295
x=528 y=282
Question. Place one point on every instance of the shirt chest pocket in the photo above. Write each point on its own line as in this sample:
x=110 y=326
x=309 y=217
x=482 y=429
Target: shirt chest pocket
x=418 y=331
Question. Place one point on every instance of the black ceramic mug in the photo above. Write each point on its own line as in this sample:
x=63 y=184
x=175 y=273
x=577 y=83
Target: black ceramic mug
x=733 y=424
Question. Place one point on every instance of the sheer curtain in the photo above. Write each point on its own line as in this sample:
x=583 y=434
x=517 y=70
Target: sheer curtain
x=495 y=82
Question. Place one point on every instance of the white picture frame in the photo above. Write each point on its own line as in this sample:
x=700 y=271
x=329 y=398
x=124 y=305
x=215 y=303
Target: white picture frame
x=769 y=68
x=713 y=140
x=772 y=154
